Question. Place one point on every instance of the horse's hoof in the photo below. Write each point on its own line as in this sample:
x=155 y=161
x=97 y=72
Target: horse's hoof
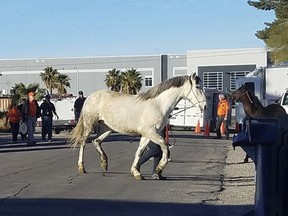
x=159 y=170
x=104 y=166
x=81 y=170
x=139 y=177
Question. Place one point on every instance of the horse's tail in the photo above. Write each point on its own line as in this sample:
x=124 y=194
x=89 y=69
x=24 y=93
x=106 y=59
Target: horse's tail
x=76 y=134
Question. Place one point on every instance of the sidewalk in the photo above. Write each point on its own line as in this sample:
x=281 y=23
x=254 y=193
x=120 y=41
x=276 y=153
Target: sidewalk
x=239 y=179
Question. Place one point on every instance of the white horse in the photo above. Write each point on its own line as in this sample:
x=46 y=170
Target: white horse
x=144 y=115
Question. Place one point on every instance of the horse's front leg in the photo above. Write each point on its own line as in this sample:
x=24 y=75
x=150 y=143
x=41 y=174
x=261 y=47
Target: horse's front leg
x=164 y=160
x=97 y=144
x=135 y=169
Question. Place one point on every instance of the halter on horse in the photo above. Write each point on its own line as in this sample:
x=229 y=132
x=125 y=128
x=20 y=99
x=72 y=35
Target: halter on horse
x=144 y=115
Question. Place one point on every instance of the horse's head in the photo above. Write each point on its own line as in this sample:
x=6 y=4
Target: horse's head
x=239 y=93
x=195 y=93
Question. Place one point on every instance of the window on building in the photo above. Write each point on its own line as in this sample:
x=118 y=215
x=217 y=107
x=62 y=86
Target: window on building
x=213 y=80
x=148 y=81
x=234 y=75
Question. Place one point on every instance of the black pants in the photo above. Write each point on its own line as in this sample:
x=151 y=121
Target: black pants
x=14 y=129
x=219 y=121
x=46 y=127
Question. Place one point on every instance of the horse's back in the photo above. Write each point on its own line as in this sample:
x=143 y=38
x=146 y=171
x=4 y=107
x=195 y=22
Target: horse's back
x=116 y=110
x=274 y=110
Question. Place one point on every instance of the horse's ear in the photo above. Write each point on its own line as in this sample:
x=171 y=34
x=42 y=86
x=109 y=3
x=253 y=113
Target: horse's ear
x=194 y=75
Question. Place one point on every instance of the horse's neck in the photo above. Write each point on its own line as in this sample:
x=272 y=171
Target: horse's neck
x=252 y=106
x=168 y=100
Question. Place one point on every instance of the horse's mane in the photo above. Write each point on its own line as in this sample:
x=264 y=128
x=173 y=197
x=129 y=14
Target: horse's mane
x=158 y=89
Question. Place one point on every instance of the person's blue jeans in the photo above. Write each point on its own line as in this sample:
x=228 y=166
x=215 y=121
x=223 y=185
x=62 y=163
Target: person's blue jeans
x=151 y=150
x=31 y=124
x=46 y=127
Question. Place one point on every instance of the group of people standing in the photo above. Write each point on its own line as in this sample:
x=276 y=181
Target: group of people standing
x=29 y=111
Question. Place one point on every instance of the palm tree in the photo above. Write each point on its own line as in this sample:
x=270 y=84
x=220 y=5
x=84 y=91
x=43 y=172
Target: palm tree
x=112 y=79
x=131 y=81
x=62 y=83
x=50 y=77
x=20 y=90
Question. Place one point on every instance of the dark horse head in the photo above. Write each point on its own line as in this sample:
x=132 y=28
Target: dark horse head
x=242 y=93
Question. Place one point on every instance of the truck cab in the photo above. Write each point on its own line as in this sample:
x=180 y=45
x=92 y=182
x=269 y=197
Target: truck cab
x=255 y=84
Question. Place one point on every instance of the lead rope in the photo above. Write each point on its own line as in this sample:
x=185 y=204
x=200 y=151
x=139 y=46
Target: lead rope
x=249 y=98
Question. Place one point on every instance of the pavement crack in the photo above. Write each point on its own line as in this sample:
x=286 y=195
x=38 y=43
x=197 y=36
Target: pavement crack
x=21 y=189
x=17 y=193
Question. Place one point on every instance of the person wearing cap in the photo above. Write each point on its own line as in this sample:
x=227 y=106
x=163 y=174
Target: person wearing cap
x=31 y=112
x=222 y=116
x=47 y=109
x=78 y=105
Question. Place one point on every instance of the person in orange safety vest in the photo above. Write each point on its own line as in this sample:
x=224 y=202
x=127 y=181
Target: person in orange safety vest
x=222 y=116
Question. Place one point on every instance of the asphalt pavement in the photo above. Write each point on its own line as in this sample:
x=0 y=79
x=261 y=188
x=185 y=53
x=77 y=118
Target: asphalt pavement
x=206 y=177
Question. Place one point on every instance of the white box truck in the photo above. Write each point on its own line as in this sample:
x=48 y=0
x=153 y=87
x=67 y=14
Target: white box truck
x=187 y=116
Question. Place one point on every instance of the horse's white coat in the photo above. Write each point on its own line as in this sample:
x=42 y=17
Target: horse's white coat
x=128 y=114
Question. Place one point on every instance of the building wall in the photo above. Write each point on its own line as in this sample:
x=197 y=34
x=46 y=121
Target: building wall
x=220 y=68
x=88 y=73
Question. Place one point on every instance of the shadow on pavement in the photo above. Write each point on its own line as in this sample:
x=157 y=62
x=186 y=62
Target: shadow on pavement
x=73 y=207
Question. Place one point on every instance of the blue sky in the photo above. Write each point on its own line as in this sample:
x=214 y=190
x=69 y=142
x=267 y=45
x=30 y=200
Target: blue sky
x=76 y=28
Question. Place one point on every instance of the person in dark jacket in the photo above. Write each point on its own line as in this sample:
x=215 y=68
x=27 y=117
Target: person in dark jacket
x=47 y=109
x=20 y=108
x=78 y=105
x=31 y=112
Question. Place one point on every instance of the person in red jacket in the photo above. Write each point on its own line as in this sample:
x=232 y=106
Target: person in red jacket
x=222 y=116
x=14 y=117
x=31 y=112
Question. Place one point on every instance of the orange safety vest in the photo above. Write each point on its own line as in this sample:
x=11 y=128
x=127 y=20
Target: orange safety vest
x=223 y=108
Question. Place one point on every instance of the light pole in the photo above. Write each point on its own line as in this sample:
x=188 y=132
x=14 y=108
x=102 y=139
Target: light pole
x=77 y=79
x=0 y=83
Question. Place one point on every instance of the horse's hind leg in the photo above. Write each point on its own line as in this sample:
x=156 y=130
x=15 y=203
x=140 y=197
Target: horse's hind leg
x=87 y=128
x=102 y=134
x=81 y=167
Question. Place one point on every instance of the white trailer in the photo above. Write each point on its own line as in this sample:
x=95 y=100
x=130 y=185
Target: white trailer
x=268 y=84
x=187 y=115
